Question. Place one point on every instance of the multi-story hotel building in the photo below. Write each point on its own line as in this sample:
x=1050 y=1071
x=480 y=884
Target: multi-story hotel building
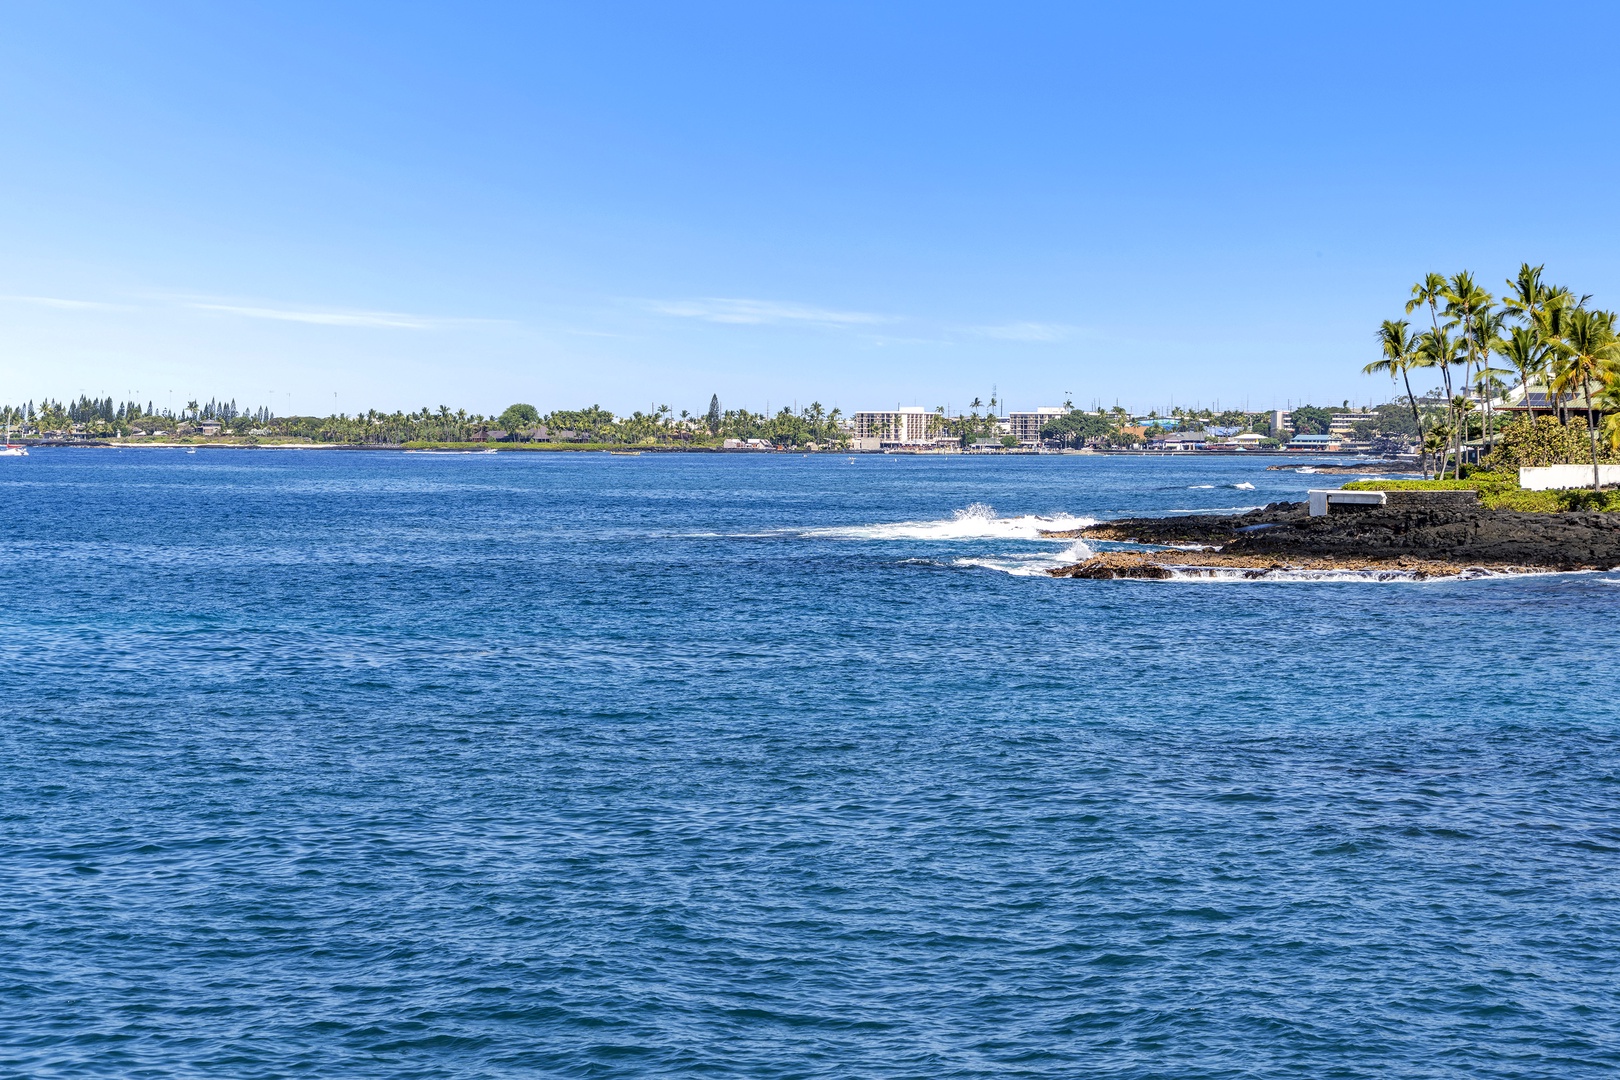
x=910 y=426
x=1026 y=426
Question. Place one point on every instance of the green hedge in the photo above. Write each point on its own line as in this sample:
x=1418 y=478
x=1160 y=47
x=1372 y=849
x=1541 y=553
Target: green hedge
x=1501 y=491
x=1416 y=485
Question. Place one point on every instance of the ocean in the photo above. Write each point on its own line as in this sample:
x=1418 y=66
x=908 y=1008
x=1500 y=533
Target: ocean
x=334 y=763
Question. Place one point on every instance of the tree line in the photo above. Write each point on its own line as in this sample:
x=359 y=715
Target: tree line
x=1559 y=346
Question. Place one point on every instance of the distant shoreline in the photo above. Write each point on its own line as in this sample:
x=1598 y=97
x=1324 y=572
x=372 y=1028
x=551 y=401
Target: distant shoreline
x=628 y=448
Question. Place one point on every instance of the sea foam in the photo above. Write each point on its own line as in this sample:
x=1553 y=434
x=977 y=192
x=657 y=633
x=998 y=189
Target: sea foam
x=975 y=522
x=1028 y=564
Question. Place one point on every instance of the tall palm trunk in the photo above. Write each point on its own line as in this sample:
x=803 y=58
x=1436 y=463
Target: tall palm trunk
x=1450 y=413
x=1490 y=431
x=1468 y=376
x=1530 y=410
x=1591 y=430
x=1445 y=376
x=1417 y=418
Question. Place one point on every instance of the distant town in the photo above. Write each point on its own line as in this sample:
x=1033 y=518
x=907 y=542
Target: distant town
x=983 y=428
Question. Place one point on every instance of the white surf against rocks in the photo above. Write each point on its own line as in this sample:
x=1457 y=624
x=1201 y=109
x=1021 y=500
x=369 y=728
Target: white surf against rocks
x=1029 y=563
x=976 y=522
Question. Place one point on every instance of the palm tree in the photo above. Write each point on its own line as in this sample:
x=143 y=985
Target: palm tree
x=1436 y=348
x=1591 y=353
x=1527 y=293
x=1487 y=327
x=1609 y=398
x=1430 y=291
x=1400 y=353
x=1523 y=349
x=1549 y=325
x=1465 y=300
x=1435 y=443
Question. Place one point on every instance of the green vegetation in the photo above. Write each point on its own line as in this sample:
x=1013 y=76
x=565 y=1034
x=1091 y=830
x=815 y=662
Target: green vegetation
x=519 y=425
x=1501 y=491
x=1088 y=429
x=1559 y=343
x=1545 y=441
x=1310 y=420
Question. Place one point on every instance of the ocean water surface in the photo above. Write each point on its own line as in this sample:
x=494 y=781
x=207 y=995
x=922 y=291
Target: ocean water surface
x=328 y=763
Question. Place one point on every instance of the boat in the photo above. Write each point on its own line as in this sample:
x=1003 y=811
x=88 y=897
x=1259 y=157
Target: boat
x=12 y=449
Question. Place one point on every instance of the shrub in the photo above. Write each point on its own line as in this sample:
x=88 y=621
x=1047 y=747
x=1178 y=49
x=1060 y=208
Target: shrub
x=1546 y=442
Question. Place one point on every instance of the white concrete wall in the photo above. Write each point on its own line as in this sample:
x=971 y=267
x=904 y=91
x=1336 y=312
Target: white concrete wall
x=1557 y=477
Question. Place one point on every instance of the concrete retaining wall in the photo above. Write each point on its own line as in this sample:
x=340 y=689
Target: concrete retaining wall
x=1559 y=477
x=1433 y=500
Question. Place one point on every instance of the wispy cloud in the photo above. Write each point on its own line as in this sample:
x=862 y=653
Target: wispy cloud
x=742 y=312
x=1026 y=331
x=61 y=302
x=387 y=320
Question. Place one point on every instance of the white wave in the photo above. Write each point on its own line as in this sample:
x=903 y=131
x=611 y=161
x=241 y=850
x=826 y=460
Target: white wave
x=976 y=522
x=1200 y=487
x=1029 y=564
x=1244 y=486
x=1373 y=577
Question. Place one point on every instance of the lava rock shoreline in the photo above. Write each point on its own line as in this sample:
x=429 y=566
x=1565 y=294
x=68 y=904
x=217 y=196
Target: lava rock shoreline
x=1418 y=542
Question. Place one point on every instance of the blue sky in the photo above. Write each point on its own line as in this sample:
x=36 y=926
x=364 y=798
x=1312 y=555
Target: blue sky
x=347 y=206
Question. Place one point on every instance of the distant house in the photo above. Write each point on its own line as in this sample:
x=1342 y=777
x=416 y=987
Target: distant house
x=1249 y=439
x=210 y=427
x=1535 y=398
x=1316 y=442
x=1177 y=441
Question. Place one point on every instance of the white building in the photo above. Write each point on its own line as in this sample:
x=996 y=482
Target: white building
x=1338 y=424
x=910 y=426
x=1026 y=426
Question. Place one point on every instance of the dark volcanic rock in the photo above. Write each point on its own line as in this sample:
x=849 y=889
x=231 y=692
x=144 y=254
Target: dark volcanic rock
x=1487 y=537
x=1193 y=529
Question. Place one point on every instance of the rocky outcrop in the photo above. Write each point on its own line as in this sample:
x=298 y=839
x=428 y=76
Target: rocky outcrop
x=1455 y=537
x=1397 y=467
x=1173 y=564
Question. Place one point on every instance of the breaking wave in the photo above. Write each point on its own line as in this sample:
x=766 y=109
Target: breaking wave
x=976 y=522
x=1028 y=564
